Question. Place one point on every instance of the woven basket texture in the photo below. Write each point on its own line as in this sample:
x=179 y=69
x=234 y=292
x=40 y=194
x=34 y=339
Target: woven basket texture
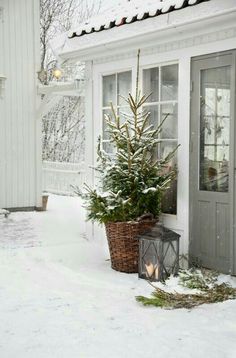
x=123 y=245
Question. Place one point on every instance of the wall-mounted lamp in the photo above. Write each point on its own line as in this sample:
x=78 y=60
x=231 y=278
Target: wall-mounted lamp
x=2 y=85
x=57 y=73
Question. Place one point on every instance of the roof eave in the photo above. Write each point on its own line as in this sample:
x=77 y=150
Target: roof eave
x=226 y=18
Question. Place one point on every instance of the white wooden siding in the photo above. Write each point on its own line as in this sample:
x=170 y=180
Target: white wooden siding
x=20 y=157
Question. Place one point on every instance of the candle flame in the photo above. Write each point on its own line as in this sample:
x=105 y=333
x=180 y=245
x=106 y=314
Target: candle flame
x=152 y=270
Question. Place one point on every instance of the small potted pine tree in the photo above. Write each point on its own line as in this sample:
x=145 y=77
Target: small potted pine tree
x=128 y=200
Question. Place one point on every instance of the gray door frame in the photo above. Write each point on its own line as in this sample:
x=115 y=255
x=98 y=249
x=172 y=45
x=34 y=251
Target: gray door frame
x=194 y=152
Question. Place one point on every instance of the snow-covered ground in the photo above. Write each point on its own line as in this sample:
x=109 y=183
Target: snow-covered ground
x=60 y=299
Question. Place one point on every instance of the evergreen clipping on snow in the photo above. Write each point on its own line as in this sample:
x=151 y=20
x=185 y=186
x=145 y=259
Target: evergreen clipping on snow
x=132 y=179
x=203 y=281
x=200 y=279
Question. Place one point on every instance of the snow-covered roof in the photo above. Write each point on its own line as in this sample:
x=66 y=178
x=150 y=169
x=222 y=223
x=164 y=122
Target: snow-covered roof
x=193 y=17
x=130 y=11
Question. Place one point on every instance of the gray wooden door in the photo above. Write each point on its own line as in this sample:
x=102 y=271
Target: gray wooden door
x=212 y=162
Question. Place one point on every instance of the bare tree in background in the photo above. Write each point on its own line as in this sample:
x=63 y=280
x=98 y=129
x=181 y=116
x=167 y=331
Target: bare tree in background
x=59 y=16
x=63 y=125
x=63 y=131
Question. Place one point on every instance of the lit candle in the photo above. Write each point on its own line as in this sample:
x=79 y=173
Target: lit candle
x=157 y=272
x=150 y=269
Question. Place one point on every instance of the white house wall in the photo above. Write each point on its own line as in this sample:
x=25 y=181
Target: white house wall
x=20 y=154
x=180 y=53
x=177 y=37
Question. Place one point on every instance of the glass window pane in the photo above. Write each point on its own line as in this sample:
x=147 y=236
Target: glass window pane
x=153 y=118
x=106 y=112
x=169 y=83
x=166 y=147
x=169 y=113
x=124 y=86
x=109 y=90
x=109 y=147
x=223 y=97
x=124 y=113
x=151 y=84
x=215 y=129
x=169 y=200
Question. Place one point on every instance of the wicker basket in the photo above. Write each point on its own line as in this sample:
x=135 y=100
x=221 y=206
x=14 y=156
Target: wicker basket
x=123 y=244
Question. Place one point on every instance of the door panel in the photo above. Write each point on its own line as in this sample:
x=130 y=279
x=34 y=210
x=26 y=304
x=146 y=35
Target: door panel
x=212 y=161
x=204 y=209
x=222 y=230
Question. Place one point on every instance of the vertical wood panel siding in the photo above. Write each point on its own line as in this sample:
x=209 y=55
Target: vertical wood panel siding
x=20 y=160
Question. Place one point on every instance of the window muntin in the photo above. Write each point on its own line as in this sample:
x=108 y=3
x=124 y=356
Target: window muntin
x=116 y=88
x=161 y=84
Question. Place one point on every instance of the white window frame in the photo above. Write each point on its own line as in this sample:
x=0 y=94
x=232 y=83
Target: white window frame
x=116 y=106
x=159 y=104
x=133 y=69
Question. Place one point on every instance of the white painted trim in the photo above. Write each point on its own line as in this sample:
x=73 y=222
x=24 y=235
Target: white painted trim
x=60 y=88
x=157 y=47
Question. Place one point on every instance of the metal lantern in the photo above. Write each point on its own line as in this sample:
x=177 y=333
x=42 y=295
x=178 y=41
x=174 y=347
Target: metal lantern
x=158 y=254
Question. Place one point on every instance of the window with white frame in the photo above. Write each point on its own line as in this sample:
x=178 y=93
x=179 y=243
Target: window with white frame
x=115 y=87
x=161 y=83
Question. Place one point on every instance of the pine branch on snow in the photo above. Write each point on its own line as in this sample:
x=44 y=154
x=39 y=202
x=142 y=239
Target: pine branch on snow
x=161 y=298
x=202 y=280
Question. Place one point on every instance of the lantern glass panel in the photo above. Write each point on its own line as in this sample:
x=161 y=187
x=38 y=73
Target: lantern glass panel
x=158 y=254
x=150 y=259
x=170 y=257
